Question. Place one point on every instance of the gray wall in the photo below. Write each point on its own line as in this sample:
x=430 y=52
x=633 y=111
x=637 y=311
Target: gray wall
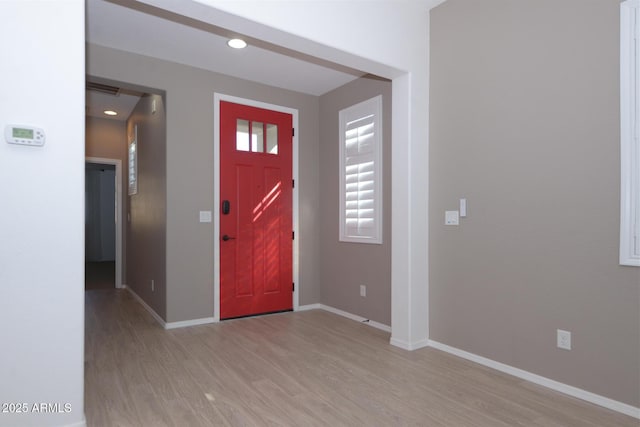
x=146 y=228
x=345 y=266
x=525 y=124
x=189 y=97
x=107 y=138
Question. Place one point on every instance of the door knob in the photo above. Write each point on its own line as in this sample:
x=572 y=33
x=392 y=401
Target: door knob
x=227 y=238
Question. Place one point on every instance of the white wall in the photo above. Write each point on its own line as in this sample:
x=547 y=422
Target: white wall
x=41 y=220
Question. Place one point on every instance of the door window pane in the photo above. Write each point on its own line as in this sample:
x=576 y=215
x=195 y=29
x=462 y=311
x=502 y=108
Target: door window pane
x=242 y=135
x=272 y=139
x=257 y=137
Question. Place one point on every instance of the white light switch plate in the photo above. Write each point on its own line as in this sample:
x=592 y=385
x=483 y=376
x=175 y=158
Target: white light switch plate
x=205 y=216
x=451 y=218
x=463 y=208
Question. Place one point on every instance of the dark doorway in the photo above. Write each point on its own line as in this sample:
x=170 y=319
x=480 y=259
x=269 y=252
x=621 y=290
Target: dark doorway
x=100 y=226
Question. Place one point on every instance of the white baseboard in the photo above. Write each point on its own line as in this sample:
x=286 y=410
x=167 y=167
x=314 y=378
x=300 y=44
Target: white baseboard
x=348 y=315
x=406 y=345
x=398 y=343
x=596 y=399
x=193 y=322
x=170 y=325
x=310 y=307
x=151 y=311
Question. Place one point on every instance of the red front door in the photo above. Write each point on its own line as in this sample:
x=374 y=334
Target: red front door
x=255 y=211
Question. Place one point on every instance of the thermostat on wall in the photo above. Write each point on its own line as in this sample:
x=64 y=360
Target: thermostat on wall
x=24 y=135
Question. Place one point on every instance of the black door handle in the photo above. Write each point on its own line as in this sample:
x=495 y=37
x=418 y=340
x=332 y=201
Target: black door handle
x=227 y=238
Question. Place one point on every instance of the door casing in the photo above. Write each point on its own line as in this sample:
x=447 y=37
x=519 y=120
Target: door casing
x=217 y=98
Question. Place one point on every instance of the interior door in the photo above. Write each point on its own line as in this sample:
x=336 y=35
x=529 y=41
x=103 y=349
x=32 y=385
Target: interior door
x=255 y=211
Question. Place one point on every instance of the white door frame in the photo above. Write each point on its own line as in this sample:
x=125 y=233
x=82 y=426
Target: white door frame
x=217 y=97
x=118 y=164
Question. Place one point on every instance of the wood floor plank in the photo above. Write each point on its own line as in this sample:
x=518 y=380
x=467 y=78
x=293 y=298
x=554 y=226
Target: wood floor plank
x=308 y=368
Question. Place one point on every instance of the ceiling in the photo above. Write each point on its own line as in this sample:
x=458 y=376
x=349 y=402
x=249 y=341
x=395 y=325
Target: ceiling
x=141 y=29
x=122 y=103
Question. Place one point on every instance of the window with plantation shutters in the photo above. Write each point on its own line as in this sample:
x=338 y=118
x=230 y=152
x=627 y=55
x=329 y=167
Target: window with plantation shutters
x=361 y=172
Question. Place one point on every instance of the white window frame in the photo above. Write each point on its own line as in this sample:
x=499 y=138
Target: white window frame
x=132 y=169
x=629 y=131
x=373 y=234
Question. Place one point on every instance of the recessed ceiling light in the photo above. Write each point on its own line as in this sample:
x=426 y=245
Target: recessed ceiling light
x=237 y=43
x=110 y=113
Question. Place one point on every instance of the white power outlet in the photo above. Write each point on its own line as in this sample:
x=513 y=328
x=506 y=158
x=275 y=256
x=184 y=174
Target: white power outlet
x=564 y=339
x=363 y=291
x=153 y=285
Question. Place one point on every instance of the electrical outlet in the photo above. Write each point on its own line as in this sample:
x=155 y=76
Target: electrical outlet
x=363 y=291
x=564 y=339
x=153 y=285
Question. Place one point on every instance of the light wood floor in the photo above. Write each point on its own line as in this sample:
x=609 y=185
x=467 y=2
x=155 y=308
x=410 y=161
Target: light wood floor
x=296 y=369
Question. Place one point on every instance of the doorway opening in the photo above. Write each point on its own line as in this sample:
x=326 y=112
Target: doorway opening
x=103 y=224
